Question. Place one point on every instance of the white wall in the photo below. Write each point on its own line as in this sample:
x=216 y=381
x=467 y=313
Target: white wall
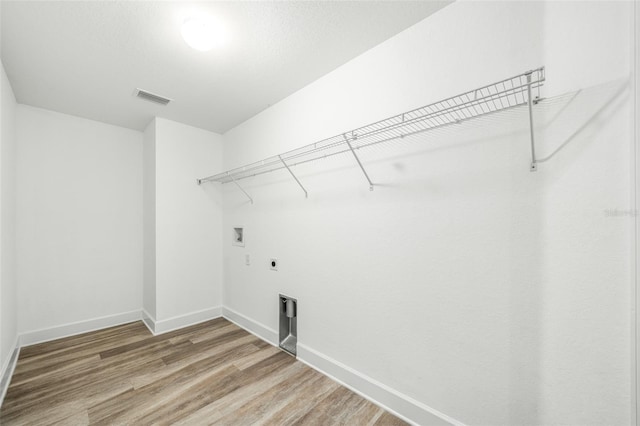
x=188 y=220
x=584 y=296
x=79 y=223
x=8 y=298
x=149 y=210
x=103 y=246
x=636 y=272
x=464 y=281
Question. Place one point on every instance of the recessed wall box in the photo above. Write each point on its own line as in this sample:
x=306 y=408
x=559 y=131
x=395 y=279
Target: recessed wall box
x=288 y=333
x=238 y=237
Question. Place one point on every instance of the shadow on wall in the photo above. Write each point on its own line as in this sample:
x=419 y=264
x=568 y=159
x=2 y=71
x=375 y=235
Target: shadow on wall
x=584 y=108
x=566 y=119
x=416 y=166
x=213 y=192
x=567 y=115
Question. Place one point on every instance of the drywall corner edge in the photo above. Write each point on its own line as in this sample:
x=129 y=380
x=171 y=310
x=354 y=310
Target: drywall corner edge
x=8 y=368
x=635 y=302
x=149 y=321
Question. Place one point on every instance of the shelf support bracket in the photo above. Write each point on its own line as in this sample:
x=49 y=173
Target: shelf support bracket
x=358 y=160
x=294 y=176
x=239 y=187
x=534 y=161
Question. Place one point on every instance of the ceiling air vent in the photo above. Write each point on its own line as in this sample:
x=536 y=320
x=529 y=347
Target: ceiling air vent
x=152 y=97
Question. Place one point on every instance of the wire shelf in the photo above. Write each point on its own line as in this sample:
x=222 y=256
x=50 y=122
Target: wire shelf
x=509 y=93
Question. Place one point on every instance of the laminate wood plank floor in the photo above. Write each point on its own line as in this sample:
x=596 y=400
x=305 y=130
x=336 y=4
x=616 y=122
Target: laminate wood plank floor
x=213 y=373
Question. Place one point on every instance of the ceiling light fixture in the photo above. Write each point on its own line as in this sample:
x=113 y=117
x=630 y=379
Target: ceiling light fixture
x=202 y=33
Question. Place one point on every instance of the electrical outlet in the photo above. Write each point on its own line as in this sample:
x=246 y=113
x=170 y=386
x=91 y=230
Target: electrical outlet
x=273 y=264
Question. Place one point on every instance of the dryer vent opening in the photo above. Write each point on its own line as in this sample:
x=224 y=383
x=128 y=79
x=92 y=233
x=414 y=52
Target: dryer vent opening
x=288 y=336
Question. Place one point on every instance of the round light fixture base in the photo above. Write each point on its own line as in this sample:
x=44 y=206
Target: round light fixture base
x=202 y=33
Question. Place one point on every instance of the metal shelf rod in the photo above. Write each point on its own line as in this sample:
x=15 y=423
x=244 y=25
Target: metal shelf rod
x=240 y=187
x=359 y=163
x=534 y=164
x=502 y=95
x=288 y=155
x=306 y=195
x=368 y=144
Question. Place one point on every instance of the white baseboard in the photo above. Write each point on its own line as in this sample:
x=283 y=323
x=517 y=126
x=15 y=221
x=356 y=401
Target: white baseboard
x=71 y=329
x=8 y=368
x=149 y=321
x=192 y=318
x=265 y=333
x=391 y=400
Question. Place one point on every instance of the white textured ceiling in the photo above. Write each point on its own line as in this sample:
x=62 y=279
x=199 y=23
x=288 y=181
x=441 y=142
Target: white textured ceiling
x=86 y=58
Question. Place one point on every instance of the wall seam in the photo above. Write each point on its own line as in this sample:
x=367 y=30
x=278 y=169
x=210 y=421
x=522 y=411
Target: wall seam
x=636 y=249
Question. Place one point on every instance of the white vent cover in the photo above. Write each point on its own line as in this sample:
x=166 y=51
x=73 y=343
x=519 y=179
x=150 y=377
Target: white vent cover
x=152 y=97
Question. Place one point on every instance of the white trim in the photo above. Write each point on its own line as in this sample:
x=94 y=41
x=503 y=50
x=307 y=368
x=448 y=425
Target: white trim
x=401 y=405
x=192 y=318
x=8 y=368
x=65 y=330
x=391 y=400
x=265 y=333
x=149 y=321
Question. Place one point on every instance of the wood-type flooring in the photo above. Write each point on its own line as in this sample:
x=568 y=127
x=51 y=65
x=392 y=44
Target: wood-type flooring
x=213 y=373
